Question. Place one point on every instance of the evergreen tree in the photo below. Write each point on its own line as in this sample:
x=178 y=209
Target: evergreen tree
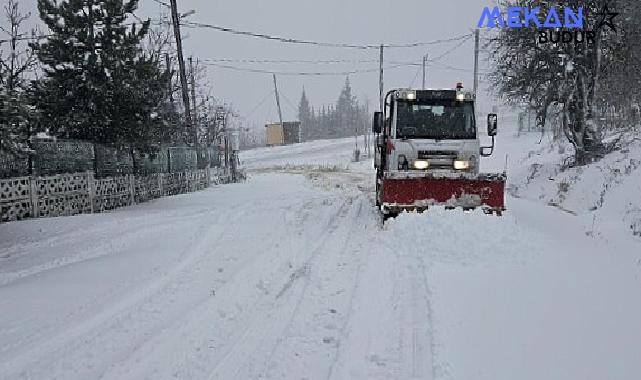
x=99 y=85
x=345 y=111
x=313 y=124
x=14 y=115
x=345 y=118
x=305 y=115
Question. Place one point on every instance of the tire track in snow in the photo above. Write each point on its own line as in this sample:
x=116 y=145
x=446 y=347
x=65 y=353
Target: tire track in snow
x=272 y=326
x=196 y=364
x=350 y=307
x=332 y=262
x=68 y=342
x=95 y=250
x=415 y=339
x=390 y=332
x=193 y=325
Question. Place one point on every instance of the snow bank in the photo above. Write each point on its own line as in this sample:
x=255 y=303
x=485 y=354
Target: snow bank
x=603 y=195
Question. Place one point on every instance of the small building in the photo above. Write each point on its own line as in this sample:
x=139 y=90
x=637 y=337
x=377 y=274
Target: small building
x=275 y=135
x=288 y=133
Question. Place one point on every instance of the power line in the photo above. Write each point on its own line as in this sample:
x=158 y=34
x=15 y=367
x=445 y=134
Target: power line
x=306 y=61
x=415 y=76
x=299 y=73
x=32 y=38
x=43 y=36
x=260 y=103
x=162 y=3
x=303 y=61
x=289 y=102
x=448 y=52
x=212 y=62
x=191 y=24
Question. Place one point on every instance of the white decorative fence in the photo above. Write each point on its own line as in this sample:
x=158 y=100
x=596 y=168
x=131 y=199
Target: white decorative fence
x=79 y=193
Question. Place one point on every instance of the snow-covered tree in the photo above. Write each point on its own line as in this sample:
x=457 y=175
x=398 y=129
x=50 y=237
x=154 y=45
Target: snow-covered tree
x=620 y=94
x=566 y=75
x=343 y=119
x=346 y=108
x=305 y=116
x=99 y=85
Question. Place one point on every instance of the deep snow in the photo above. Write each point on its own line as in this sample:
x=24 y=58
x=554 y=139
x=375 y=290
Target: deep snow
x=290 y=275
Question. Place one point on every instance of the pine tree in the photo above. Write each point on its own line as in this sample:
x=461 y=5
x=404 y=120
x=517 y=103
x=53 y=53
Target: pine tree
x=305 y=116
x=14 y=115
x=313 y=124
x=99 y=85
x=345 y=111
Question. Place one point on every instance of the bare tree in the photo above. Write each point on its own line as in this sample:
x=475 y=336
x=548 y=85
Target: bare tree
x=566 y=77
x=16 y=60
x=19 y=59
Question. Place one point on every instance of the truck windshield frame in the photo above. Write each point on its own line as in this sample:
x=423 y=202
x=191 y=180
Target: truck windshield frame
x=438 y=119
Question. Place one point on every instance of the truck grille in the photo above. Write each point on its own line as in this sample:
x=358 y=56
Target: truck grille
x=427 y=154
x=438 y=159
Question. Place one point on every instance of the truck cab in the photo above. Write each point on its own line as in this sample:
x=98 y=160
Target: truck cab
x=428 y=152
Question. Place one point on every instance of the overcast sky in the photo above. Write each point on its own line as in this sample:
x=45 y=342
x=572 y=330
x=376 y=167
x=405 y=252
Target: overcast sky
x=339 y=21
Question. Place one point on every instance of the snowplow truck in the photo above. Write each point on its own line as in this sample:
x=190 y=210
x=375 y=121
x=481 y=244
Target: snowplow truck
x=428 y=153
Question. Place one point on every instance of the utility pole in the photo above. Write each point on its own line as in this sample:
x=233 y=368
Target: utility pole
x=380 y=82
x=193 y=99
x=476 y=61
x=280 y=114
x=424 y=63
x=367 y=130
x=181 y=61
x=171 y=90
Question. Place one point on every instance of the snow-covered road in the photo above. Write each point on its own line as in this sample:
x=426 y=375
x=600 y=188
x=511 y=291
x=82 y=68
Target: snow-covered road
x=290 y=275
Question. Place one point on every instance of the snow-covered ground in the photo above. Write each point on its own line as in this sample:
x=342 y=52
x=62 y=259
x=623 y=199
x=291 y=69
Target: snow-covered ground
x=290 y=275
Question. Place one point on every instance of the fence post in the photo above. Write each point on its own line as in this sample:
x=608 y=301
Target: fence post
x=33 y=196
x=160 y=191
x=132 y=189
x=91 y=190
x=208 y=175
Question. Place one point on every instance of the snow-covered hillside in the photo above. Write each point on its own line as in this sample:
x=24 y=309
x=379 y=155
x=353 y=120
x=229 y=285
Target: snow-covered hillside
x=290 y=275
x=604 y=195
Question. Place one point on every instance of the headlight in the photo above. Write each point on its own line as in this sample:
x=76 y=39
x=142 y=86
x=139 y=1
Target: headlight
x=406 y=94
x=420 y=164
x=461 y=164
x=460 y=96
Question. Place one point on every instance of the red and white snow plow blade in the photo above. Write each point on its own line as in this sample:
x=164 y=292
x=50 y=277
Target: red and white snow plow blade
x=418 y=193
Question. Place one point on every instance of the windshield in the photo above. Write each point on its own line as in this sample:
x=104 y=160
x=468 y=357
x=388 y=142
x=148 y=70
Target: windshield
x=435 y=119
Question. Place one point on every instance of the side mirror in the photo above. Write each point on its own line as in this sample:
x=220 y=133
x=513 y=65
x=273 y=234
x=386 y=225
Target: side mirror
x=492 y=124
x=377 y=123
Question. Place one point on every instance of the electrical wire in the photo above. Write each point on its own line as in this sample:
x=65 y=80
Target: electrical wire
x=259 y=104
x=43 y=36
x=162 y=3
x=299 y=73
x=448 y=52
x=415 y=76
x=191 y=24
x=303 y=61
x=289 y=102
x=212 y=62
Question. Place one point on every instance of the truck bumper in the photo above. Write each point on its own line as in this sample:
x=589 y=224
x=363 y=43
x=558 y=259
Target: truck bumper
x=484 y=190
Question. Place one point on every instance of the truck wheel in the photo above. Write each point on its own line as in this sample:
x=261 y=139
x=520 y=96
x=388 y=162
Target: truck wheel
x=390 y=215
